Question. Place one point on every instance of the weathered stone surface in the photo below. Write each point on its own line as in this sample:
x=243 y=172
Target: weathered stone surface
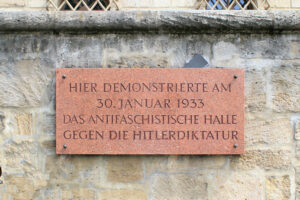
x=66 y=192
x=268 y=130
x=27 y=47
x=278 y=187
x=24 y=121
x=237 y=186
x=157 y=4
x=144 y=4
x=46 y=124
x=295 y=4
x=12 y=3
x=297 y=149
x=265 y=159
x=2 y=125
x=255 y=90
x=179 y=186
x=124 y=169
x=226 y=54
x=177 y=164
x=297 y=137
x=31 y=170
x=114 y=58
x=123 y=194
x=19 y=187
x=297 y=182
x=37 y=3
x=297 y=130
x=83 y=194
x=49 y=193
x=294 y=49
x=22 y=156
x=280 y=3
x=285 y=83
x=264 y=51
x=25 y=85
x=74 y=54
x=74 y=169
x=151 y=20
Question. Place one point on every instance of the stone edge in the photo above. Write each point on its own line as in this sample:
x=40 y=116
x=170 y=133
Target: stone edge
x=127 y=21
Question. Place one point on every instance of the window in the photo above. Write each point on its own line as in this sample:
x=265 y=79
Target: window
x=235 y=4
x=106 y=5
x=83 y=5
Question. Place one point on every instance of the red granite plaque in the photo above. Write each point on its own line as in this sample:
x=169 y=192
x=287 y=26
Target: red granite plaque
x=150 y=111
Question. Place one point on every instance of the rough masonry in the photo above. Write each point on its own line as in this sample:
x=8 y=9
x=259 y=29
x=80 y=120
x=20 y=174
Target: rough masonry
x=265 y=44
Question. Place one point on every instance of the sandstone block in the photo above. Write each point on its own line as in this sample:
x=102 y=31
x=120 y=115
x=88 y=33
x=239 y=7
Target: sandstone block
x=295 y=49
x=19 y=187
x=297 y=176
x=83 y=194
x=295 y=4
x=261 y=51
x=255 y=89
x=280 y=3
x=278 y=187
x=179 y=186
x=236 y=185
x=157 y=3
x=124 y=169
x=12 y=3
x=286 y=93
x=297 y=131
x=2 y=125
x=37 y=3
x=297 y=149
x=66 y=192
x=112 y=58
x=226 y=54
x=27 y=84
x=178 y=164
x=49 y=145
x=21 y=156
x=123 y=194
x=50 y=193
x=24 y=121
x=268 y=130
x=46 y=124
x=161 y=4
x=185 y=3
x=297 y=138
x=265 y=159
x=75 y=169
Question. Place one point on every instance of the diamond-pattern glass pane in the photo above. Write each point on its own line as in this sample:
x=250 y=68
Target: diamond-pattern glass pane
x=82 y=5
x=234 y=5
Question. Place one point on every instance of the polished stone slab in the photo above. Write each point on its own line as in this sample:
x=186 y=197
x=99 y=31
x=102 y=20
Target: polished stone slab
x=149 y=111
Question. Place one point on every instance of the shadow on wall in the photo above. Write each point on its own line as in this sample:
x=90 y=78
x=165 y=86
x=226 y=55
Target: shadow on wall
x=1 y=182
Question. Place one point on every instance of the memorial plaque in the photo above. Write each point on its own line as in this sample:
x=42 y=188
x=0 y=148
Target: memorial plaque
x=150 y=111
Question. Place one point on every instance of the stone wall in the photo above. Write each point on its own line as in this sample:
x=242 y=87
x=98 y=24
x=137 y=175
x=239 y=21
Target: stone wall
x=32 y=47
x=138 y=4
